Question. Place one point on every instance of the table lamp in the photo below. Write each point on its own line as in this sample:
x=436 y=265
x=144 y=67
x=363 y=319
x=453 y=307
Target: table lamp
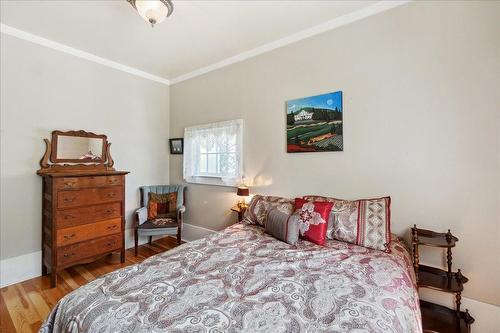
x=243 y=192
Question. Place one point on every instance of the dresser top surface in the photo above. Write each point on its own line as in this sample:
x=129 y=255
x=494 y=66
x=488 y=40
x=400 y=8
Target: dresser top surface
x=85 y=173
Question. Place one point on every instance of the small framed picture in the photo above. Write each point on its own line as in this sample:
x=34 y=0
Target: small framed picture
x=176 y=146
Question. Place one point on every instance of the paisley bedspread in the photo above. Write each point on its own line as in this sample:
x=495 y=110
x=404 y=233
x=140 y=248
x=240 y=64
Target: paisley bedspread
x=243 y=280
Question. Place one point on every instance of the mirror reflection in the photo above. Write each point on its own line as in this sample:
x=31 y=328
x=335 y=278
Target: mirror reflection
x=79 y=148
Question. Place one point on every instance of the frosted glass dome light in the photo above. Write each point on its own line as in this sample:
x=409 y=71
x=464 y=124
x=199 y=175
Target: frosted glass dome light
x=153 y=11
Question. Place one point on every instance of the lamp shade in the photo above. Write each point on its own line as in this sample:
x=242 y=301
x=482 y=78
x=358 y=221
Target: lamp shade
x=243 y=191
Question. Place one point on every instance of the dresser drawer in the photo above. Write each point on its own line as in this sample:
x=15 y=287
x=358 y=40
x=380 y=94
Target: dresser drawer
x=88 y=231
x=89 y=196
x=71 y=253
x=68 y=183
x=76 y=216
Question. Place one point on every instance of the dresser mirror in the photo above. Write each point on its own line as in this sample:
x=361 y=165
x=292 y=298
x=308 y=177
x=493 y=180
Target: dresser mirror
x=76 y=151
x=78 y=147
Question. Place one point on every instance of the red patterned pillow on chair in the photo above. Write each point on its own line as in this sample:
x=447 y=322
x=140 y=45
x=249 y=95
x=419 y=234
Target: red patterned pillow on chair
x=364 y=222
x=312 y=218
x=161 y=205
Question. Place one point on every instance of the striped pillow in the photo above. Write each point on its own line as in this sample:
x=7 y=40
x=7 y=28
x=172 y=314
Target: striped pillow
x=364 y=222
x=283 y=226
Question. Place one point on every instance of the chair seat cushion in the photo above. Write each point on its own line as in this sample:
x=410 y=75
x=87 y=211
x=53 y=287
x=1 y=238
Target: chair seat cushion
x=152 y=224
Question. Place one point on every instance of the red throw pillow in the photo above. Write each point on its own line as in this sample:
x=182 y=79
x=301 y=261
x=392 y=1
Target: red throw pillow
x=312 y=218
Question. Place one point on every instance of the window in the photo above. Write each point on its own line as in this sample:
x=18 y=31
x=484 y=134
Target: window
x=213 y=153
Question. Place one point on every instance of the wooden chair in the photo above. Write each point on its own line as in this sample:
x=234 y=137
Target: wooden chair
x=143 y=227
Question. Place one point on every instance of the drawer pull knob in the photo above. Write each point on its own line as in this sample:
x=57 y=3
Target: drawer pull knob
x=67 y=217
x=110 y=211
x=68 y=255
x=110 y=244
x=69 y=199
x=69 y=236
x=112 y=227
x=69 y=184
x=111 y=195
x=113 y=180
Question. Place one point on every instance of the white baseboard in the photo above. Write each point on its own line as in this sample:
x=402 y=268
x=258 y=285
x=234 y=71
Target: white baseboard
x=20 y=268
x=28 y=266
x=191 y=232
x=129 y=239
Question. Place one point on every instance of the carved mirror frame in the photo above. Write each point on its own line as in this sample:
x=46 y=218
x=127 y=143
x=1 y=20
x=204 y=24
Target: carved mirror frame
x=50 y=163
x=78 y=134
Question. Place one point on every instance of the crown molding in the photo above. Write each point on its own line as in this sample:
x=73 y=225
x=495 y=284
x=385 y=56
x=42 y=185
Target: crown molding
x=337 y=22
x=11 y=31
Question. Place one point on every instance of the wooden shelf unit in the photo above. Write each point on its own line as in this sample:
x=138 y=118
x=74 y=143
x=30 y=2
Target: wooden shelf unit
x=438 y=279
x=437 y=318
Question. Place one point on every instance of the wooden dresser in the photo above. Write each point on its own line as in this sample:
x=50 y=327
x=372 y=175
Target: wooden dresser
x=83 y=218
x=83 y=209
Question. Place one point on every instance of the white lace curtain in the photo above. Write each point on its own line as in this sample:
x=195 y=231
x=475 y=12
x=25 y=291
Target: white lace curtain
x=214 y=151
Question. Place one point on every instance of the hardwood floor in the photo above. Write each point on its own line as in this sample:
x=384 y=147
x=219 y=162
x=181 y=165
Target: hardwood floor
x=25 y=305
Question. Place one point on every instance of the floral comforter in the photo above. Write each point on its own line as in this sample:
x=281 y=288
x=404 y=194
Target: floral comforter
x=243 y=280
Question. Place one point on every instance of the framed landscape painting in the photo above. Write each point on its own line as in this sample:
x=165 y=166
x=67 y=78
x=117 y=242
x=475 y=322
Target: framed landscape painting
x=314 y=123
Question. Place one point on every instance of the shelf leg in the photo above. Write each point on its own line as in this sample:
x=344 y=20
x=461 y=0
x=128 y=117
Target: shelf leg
x=448 y=259
x=468 y=320
x=458 y=301
x=415 y=260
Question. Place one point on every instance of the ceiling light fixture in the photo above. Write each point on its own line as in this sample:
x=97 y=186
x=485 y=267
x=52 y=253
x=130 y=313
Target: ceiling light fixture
x=153 y=11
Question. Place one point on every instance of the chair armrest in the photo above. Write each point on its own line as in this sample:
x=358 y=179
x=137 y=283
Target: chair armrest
x=141 y=215
x=180 y=213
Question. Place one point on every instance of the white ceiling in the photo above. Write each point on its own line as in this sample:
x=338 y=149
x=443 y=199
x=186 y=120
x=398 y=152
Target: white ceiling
x=198 y=34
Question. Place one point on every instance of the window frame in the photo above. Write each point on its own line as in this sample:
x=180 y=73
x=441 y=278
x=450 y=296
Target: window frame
x=218 y=178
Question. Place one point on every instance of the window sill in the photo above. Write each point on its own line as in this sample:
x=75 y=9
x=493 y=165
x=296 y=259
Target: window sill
x=208 y=176
x=209 y=180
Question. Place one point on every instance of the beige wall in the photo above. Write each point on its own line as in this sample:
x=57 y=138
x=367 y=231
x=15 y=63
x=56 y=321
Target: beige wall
x=43 y=90
x=421 y=123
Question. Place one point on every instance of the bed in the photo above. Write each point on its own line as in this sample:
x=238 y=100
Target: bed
x=244 y=280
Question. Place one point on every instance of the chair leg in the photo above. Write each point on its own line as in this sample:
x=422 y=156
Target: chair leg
x=150 y=240
x=136 y=240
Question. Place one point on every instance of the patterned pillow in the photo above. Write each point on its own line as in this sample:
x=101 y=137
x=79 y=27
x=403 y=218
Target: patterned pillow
x=312 y=217
x=161 y=205
x=282 y=226
x=364 y=222
x=260 y=205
